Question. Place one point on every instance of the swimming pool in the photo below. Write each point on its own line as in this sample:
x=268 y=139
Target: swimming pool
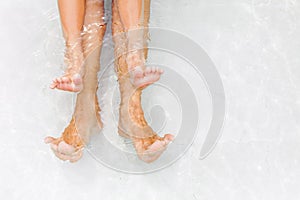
x=253 y=45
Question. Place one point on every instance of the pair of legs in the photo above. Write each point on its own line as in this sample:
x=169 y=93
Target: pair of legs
x=84 y=29
x=73 y=14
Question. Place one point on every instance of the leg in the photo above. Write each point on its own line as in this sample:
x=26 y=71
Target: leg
x=132 y=123
x=86 y=116
x=72 y=19
x=146 y=25
x=130 y=16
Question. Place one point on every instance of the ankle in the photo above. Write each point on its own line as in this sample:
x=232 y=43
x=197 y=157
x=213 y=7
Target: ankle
x=134 y=59
x=73 y=39
x=131 y=107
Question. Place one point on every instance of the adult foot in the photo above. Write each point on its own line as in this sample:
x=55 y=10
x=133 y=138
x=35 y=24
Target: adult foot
x=70 y=145
x=150 y=148
x=141 y=76
x=132 y=125
x=72 y=80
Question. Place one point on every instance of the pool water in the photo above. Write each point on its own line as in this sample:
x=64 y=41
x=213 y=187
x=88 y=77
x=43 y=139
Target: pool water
x=253 y=44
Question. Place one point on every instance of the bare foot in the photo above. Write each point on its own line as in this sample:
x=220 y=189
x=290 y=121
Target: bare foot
x=141 y=76
x=70 y=145
x=72 y=80
x=132 y=125
x=150 y=148
x=68 y=83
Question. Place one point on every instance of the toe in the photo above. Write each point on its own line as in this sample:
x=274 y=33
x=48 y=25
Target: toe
x=66 y=83
x=58 y=80
x=63 y=151
x=158 y=71
x=49 y=139
x=168 y=138
x=152 y=69
x=65 y=148
x=53 y=84
x=77 y=79
x=71 y=87
x=148 y=70
x=66 y=79
x=55 y=81
x=61 y=86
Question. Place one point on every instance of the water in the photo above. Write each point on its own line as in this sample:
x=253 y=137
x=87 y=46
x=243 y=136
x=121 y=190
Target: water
x=252 y=43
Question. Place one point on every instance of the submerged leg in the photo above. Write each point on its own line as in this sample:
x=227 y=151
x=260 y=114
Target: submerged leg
x=86 y=116
x=132 y=124
x=130 y=13
x=72 y=19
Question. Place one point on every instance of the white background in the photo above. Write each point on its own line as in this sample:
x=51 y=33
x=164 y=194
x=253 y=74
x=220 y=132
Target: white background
x=255 y=46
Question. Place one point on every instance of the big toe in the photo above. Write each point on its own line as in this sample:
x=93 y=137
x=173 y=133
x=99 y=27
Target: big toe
x=48 y=140
x=168 y=138
x=77 y=80
x=65 y=148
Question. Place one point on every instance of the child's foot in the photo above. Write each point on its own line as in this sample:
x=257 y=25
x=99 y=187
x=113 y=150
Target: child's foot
x=68 y=83
x=72 y=80
x=70 y=145
x=141 y=76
